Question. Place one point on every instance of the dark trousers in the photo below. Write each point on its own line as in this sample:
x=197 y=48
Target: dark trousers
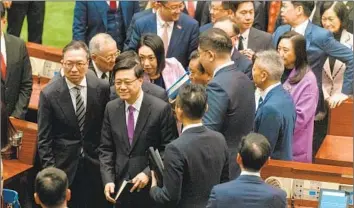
x=35 y=18
x=320 y=132
x=136 y=199
x=87 y=189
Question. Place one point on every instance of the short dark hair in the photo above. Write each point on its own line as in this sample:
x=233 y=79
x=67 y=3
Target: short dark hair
x=192 y=99
x=126 y=61
x=195 y=55
x=254 y=150
x=306 y=5
x=238 y=3
x=2 y=10
x=51 y=185
x=340 y=10
x=301 y=64
x=76 y=45
x=155 y=43
x=229 y=5
x=215 y=39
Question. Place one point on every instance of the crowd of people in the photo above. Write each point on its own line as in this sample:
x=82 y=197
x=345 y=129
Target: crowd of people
x=253 y=96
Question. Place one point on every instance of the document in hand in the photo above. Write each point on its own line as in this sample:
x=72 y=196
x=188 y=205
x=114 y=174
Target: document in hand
x=156 y=164
x=121 y=188
x=172 y=92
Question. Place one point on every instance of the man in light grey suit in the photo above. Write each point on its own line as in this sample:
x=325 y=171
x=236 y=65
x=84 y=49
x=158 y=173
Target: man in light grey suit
x=16 y=72
x=230 y=92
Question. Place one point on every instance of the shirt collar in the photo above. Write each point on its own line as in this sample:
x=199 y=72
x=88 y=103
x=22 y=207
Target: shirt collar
x=98 y=71
x=191 y=126
x=246 y=34
x=160 y=21
x=222 y=66
x=245 y=172
x=137 y=103
x=301 y=28
x=72 y=85
x=266 y=91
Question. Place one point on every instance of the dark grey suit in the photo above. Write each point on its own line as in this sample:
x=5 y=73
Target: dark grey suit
x=194 y=163
x=147 y=87
x=155 y=127
x=231 y=108
x=259 y=40
x=59 y=137
x=110 y=78
x=18 y=82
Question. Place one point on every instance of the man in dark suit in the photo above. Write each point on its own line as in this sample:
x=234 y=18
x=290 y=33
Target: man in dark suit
x=194 y=162
x=18 y=10
x=103 y=52
x=198 y=75
x=243 y=64
x=112 y=17
x=249 y=190
x=69 y=125
x=132 y=124
x=195 y=9
x=16 y=72
x=251 y=40
x=147 y=87
x=178 y=31
x=276 y=115
x=231 y=103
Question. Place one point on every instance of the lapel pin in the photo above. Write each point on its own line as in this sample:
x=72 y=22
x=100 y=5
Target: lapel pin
x=179 y=26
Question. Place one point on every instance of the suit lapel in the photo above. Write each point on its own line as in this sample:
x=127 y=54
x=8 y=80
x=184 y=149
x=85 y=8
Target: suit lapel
x=102 y=7
x=142 y=118
x=252 y=39
x=308 y=35
x=92 y=95
x=153 y=24
x=327 y=69
x=10 y=57
x=66 y=105
x=177 y=33
x=122 y=118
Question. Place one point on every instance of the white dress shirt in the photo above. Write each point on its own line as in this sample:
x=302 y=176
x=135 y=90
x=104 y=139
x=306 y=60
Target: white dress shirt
x=222 y=66
x=83 y=90
x=99 y=72
x=191 y=126
x=245 y=39
x=137 y=106
x=160 y=28
x=3 y=47
x=263 y=93
x=301 y=28
x=251 y=173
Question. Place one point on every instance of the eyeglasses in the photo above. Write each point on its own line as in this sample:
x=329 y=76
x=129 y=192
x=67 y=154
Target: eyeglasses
x=70 y=65
x=111 y=57
x=119 y=83
x=174 y=8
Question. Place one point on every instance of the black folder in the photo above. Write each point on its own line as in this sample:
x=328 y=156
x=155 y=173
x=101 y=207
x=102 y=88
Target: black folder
x=156 y=164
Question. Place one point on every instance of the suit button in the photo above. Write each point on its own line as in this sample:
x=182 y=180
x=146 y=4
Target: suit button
x=130 y=156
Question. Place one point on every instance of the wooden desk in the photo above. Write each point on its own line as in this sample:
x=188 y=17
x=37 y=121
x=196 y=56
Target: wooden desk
x=336 y=150
x=13 y=169
x=340 y=121
x=38 y=84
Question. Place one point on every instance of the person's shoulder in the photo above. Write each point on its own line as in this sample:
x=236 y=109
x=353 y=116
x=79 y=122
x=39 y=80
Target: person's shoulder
x=114 y=103
x=13 y=39
x=186 y=19
x=54 y=85
x=146 y=19
x=260 y=32
x=226 y=187
x=155 y=102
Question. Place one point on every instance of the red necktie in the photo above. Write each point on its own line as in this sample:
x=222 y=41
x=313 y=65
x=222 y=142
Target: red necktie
x=113 y=5
x=191 y=9
x=3 y=67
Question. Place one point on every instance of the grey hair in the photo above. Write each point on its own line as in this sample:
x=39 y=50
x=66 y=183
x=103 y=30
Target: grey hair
x=100 y=40
x=271 y=62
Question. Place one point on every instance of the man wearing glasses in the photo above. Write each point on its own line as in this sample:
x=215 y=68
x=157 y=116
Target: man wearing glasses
x=104 y=52
x=132 y=123
x=179 y=32
x=70 y=115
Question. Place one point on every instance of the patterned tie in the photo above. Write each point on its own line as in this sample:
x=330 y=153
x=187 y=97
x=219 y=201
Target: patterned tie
x=191 y=9
x=130 y=124
x=3 y=67
x=80 y=109
x=165 y=37
x=240 y=44
x=104 y=76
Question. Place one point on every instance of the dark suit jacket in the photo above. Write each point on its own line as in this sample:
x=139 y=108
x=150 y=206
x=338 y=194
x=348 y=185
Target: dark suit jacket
x=243 y=64
x=199 y=11
x=155 y=127
x=320 y=44
x=147 y=87
x=183 y=41
x=194 y=163
x=231 y=108
x=59 y=138
x=246 y=191
x=110 y=80
x=275 y=119
x=260 y=15
x=259 y=40
x=90 y=18
x=350 y=6
x=18 y=82
x=205 y=27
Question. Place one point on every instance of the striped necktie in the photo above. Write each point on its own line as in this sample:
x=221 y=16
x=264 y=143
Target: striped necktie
x=80 y=109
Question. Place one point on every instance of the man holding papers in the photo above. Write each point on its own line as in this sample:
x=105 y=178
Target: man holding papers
x=194 y=162
x=131 y=124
